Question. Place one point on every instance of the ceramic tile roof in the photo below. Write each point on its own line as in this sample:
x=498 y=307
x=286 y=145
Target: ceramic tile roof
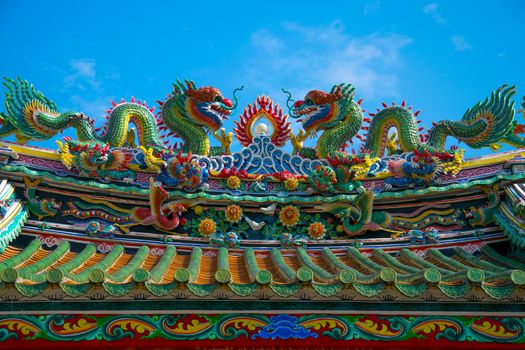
x=34 y=269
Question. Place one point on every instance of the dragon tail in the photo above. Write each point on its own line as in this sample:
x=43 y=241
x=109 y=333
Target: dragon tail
x=513 y=138
x=483 y=125
x=30 y=190
x=29 y=113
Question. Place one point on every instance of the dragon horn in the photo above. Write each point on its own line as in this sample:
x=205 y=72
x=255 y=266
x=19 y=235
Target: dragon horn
x=191 y=85
x=176 y=90
x=289 y=101
x=347 y=89
x=180 y=85
x=336 y=93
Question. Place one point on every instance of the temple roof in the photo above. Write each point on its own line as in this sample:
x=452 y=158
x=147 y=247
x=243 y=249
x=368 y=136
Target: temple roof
x=351 y=273
x=119 y=216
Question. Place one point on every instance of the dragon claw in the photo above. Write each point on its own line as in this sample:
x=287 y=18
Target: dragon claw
x=297 y=141
x=225 y=139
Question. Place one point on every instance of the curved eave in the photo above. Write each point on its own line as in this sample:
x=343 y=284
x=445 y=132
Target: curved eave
x=205 y=272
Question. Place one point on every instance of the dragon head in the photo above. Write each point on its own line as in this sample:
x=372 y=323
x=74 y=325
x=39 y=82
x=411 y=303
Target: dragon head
x=205 y=106
x=431 y=235
x=425 y=165
x=185 y=172
x=474 y=216
x=98 y=154
x=92 y=228
x=92 y=153
x=323 y=179
x=321 y=110
x=50 y=206
x=231 y=238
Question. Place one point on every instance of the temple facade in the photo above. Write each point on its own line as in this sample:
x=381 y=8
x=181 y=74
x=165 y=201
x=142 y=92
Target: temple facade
x=140 y=232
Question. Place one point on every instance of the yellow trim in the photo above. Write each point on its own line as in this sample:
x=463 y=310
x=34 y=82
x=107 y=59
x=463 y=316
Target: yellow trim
x=467 y=164
x=472 y=163
x=32 y=151
x=511 y=217
x=8 y=219
x=9 y=192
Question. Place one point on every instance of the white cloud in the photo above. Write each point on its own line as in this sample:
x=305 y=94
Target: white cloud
x=84 y=67
x=334 y=32
x=319 y=57
x=432 y=9
x=84 y=84
x=460 y=43
x=82 y=75
x=265 y=40
x=93 y=107
x=372 y=6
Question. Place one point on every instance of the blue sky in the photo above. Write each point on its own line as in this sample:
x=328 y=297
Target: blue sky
x=441 y=57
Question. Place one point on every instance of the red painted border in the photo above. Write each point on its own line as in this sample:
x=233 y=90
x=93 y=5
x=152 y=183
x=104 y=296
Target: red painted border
x=244 y=344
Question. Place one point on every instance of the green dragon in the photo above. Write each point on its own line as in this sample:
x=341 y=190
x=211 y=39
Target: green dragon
x=482 y=216
x=356 y=218
x=187 y=113
x=340 y=118
x=95 y=160
x=39 y=207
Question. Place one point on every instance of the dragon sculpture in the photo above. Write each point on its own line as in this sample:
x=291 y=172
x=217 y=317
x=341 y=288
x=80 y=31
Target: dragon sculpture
x=288 y=241
x=227 y=240
x=325 y=180
x=425 y=236
x=93 y=159
x=183 y=172
x=96 y=229
x=188 y=113
x=482 y=216
x=340 y=118
x=419 y=169
x=356 y=218
x=40 y=207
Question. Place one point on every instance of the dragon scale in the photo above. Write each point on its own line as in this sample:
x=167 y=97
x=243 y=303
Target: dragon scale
x=195 y=137
x=117 y=134
x=188 y=113
x=331 y=141
x=484 y=125
x=30 y=115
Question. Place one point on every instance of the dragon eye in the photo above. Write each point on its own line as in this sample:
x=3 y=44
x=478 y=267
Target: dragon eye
x=217 y=98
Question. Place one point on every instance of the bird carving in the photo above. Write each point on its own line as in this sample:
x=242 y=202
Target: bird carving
x=256 y=226
x=270 y=210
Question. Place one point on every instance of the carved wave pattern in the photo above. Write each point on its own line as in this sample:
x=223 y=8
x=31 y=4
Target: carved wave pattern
x=261 y=157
